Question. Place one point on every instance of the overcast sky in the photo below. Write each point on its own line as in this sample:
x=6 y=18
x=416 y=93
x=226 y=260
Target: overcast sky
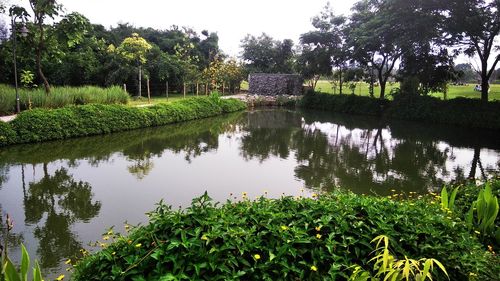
x=231 y=19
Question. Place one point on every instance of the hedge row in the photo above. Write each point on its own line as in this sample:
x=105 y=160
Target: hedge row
x=459 y=111
x=76 y=121
x=288 y=239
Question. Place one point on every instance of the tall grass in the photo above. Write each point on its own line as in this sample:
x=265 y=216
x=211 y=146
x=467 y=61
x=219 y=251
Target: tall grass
x=59 y=97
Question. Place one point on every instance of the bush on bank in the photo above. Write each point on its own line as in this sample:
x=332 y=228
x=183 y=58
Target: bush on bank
x=76 y=121
x=287 y=239
x=458 y=111
x=59 y=97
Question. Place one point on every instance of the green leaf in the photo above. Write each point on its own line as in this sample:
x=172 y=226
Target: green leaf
x=25 y=263
x=37 y=273
x=10 y=271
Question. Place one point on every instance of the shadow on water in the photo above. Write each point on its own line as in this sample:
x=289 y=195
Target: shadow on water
x=324 y=150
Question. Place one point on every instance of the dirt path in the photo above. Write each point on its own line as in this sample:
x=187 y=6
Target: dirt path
x=7 y=118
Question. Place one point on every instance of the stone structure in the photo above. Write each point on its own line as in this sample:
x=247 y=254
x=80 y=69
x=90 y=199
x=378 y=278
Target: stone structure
x=275 y=84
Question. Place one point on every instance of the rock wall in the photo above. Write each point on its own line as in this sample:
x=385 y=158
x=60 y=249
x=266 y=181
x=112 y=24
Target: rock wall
x=275 y=84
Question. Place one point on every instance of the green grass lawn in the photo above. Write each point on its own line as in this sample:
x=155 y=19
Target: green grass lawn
x=325 y=86
x=454 y=91
x=154 y=100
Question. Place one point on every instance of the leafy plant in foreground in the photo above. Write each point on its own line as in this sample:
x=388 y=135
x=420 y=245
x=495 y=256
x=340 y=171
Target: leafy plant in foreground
x=483 y=213
x=12 y=274
x=388 y=267
x=448 y=202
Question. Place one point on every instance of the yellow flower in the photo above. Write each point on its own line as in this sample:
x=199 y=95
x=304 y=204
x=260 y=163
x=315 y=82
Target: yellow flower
x=138 y=245
x=314 y=195
x=204 y=237
x=318 y=228
x=113 y=253
x=110 y=232
x=393 y=190
x=105 y=238
x=284 y=227
x=477 y=232
x=102 y=245
x=318 y=236
x=68 y=261
x=256 y=257
x=61 y=277
x=245 y=194
x=314 y=268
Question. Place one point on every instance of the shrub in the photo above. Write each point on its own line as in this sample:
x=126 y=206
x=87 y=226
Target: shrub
x=7 y=134
x=59 y=97
x=286 y=239
x=344 y=103
x=75 y=121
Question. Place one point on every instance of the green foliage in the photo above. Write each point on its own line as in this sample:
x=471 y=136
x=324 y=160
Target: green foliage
x=344 y=103
x=483 y=213
x=10 y=273
x=286 y=239
x=75 y=121
x=134 y=49
x=7 y=134
x=264 y=54
x=388 y=267
x=27 y=78
x=448 y=202
x=59 y=97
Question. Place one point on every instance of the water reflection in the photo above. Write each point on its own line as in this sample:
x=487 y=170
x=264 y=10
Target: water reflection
x=53 y=204
x=79 y=187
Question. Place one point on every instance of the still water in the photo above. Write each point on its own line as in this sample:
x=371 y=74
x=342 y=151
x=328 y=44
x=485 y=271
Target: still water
x=63 y=195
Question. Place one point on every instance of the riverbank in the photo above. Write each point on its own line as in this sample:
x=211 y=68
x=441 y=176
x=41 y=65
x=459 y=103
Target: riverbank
x=316 y=238
x=40 y=125
x=460 y=111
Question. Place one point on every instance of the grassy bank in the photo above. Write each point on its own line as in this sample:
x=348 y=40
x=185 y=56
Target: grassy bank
x=76 y=121
x=318 y=238
x=454 y=91
x=460 y=111
x=59 y=97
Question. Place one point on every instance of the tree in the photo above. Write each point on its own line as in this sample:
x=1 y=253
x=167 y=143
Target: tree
x=264 y=54
x=134 y=50
x=41 y=10
x=312 y=63
x=375 y=39
x=425 y=69
x=465 y=73
x=476 y=24
x=328 y=41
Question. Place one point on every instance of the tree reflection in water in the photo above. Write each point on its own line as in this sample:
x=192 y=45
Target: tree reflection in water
x=55 y=203
x=362 y=154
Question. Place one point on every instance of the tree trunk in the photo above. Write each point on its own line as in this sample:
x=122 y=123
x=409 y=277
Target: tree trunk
x=340 y=81
x=475 y=160
x=39 y=59
x=382 y=89
x=485 y=86
x=140 y=82
x=149 y=92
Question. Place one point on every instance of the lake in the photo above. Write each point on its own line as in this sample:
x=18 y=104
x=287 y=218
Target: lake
x=63 y=195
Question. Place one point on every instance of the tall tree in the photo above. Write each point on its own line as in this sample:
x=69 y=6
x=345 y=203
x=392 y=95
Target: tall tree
x=264 y=54
x=476 y=24
x=375 y=40
x=41 y=10
x=134 y=50
x=328 y=40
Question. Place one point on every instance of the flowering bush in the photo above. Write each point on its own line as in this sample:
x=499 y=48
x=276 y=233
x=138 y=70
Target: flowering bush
x=318 y=238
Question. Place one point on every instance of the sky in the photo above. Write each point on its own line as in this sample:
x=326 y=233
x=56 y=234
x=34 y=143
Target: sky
x=231 y=19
